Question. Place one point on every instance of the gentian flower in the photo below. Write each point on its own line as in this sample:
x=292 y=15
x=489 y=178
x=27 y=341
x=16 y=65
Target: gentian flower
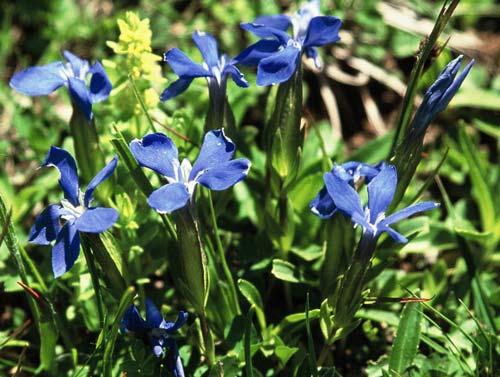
x=214 y=168
x=157 y=331
x=63 y=222
x=277 y=55
x=215 y=68
x=373 y=217
x=43 y=80
x=439 y=94
x=351 y=172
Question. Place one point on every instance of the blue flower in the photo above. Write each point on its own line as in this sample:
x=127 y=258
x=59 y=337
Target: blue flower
x=215 y=68
x=440 y=94
x=214 y=168
x=373 y=217
x=63 y=222
x=158 y=332
x=351 y=172
x=43 y=80
x=278 y=54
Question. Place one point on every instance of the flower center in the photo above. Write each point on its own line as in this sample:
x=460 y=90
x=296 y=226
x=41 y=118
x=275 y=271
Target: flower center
x=71 y=212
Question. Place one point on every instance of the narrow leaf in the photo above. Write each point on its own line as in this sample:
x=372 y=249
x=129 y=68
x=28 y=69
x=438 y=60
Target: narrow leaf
x=405 y=346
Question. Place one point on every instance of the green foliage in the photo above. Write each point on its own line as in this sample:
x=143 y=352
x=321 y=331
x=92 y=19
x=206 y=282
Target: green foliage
x=258 y=273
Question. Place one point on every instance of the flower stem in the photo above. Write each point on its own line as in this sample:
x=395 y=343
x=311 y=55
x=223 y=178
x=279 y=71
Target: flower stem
x=95 y=279
x=222 y=256
x=351 y=287
x=207 y=340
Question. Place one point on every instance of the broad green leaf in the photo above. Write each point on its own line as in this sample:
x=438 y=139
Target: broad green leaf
x=476 y=98
x=284 y=353
x=407 y=339
x=253 y=297
x=285 y=271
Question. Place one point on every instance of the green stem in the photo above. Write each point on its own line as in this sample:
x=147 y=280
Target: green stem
x=222 y=255
x=95 y=279
x=141 y=102
x=207 y=340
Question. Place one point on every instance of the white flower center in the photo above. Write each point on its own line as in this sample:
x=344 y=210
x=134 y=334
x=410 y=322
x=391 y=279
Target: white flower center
x=71 y=212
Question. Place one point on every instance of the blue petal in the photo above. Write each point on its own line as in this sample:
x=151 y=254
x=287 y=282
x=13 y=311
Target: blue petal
x=153 y=315
x=38 y=81
x=64 y=162
x=176 y=88
x=322 y=30
x=157 y=152
x=278 y=67
x=264 y=31
x=104 y=174
x=253 y=54
x=322 y=205
x=96 y=220
x=225 y=175
x=177 y=369
x=81 y=96
x=312 y=53
x=215 y=150
x=65 y=251
x=277 y=21
x=46 y=226
x=132 y=321
x=453 y=88
x=343 y=195
x=440 y=94
x=170 y=197
x=76 y=63
x=207 y=45
x=409 y=211
x=100 y=86
x=183 y=66
x=236 y=75
x=396 y=236
x=172 y=327
x=157 y=345
x=381 y=191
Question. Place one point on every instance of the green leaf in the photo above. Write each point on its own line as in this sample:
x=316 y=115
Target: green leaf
x=48 y=341
x=407 y=339
x=248 y=333
x=477 y=98
x=471 y=234
x=284 y=353
x=481 y=191
x=285 y=271
x=253 y=297
x=309 y=253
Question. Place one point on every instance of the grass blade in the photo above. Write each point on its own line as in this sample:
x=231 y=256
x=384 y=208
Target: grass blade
x=311 y=354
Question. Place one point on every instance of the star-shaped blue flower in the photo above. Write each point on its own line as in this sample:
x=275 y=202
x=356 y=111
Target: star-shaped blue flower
x=439 y=94
x=43 y=80
x=214 y=168
x=372 y=218
x=158 y=332
x=63 y=222
x=278 y=54
x=351 y=172
x=215 y=68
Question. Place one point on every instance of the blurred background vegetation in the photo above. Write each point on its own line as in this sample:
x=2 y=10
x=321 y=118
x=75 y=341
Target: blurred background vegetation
x=352 y=103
